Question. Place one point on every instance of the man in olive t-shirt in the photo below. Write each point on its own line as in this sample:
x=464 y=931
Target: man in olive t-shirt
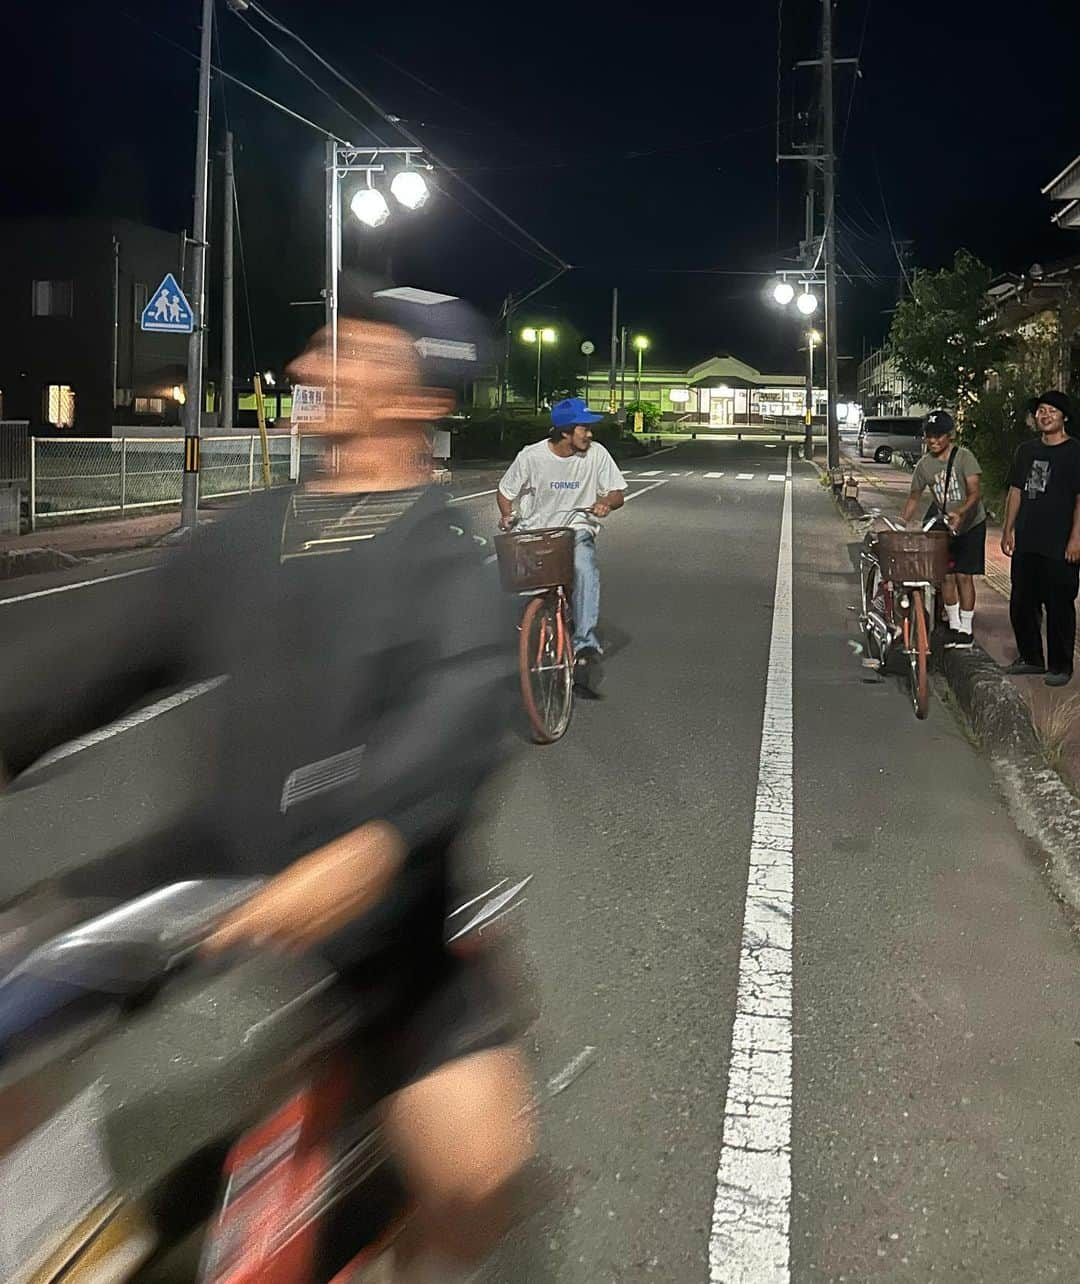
x=945 y=463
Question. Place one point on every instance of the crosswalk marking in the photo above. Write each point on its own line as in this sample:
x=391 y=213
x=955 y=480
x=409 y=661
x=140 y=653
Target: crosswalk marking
x=654 y=473
x=776 y=477
x=713 y=476
x=744 y=476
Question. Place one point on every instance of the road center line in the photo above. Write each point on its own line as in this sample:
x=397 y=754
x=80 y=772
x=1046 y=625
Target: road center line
x=751 y=1223
x=79 y=584
x=460 y=499
x=651 y=486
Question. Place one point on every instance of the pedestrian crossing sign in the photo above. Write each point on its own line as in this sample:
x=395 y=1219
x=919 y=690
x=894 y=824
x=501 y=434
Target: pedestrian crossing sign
x=168 y=311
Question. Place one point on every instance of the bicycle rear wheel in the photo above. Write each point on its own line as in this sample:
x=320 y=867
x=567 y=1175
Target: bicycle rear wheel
x=546 y=668
x=919 y=654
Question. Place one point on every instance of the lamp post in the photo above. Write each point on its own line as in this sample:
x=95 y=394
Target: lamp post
x=812 y=337
x=807 y=304
x=640 y=344
x=587 y=349
x=538 y=336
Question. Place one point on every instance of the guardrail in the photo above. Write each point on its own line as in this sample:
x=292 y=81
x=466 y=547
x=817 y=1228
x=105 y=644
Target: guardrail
x=74 y=477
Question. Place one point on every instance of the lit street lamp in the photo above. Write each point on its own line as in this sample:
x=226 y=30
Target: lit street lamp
x=807 y=303
x=640 y=343
x=783 y=293
x=532 y=335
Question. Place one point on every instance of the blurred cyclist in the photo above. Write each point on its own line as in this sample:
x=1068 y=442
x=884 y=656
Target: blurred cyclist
x=568 y=480
x=367 y=678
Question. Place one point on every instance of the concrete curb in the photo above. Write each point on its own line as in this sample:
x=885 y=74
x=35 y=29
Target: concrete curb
x=34 y=561
x=1040 y=803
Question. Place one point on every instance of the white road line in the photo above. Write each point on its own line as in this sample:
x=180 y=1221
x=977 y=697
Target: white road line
x=460 y=499
x=713 y=476
x=655 y=472
x=652 y=486
x=79 y=584
x=751 y=1224
x=744 y=476
x=132 y=720
x=777 y=477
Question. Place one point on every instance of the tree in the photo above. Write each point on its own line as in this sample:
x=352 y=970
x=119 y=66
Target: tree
x=947 y=339
x=649 y=411
x=560 y=368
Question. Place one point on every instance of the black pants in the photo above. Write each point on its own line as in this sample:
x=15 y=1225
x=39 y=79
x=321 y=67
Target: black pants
x=1048 y=583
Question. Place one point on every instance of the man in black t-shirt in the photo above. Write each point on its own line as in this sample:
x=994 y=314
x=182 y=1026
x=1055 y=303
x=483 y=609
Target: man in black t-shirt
x=1042 y=536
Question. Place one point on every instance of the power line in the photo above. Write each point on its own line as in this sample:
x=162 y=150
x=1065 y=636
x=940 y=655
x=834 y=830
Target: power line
x=779 y=73
x=311 y=80
x=220 y=71
x=856 y=75
x=239 y=221
x=396 y=123
x=888 y=224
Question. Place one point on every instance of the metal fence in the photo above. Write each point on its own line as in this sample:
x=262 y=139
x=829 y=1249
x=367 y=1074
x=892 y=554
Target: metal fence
x=97 y=476
x=14 y=451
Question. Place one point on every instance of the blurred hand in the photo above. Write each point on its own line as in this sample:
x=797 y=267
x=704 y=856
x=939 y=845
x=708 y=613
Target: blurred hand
x=601 y=508
x=318 y=894
x=1008 y=543
x=953 y=521
x=1072 y=550
x=506 y=523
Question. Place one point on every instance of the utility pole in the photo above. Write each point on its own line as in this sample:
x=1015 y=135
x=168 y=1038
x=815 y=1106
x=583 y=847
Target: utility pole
x=189 y=503
x=622 y=366
x=829 y=144
x=808 y=254
x=614 y=347
x=227 y=324
x=504 y=389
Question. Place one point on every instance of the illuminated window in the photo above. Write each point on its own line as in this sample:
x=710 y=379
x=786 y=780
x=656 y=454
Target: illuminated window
x=53 y=299
x=60 y=405
x=149 y=405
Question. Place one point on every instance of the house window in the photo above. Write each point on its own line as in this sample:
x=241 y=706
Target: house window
x=142 y=295
x=53 y=298
x=149 y=405
x=60 y=405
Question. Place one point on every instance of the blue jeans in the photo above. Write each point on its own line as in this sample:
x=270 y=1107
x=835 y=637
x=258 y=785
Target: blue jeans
x=586 y=602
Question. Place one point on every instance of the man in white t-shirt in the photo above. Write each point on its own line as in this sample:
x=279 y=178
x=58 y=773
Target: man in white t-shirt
x=568 y=480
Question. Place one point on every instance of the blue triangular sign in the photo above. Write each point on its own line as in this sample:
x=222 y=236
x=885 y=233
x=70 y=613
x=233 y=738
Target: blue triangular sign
x=168 y=312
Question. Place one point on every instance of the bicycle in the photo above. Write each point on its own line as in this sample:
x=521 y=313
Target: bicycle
x=540 y=564
x=899 y=572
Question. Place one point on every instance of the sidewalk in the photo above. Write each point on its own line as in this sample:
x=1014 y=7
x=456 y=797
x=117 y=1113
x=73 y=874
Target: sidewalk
x=1055 y=712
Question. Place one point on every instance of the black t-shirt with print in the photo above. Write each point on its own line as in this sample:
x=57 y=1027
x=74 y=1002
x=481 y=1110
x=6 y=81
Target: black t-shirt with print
x=1048 y=479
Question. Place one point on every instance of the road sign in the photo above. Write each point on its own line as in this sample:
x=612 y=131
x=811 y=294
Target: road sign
x=168 y=312
x=588 y=347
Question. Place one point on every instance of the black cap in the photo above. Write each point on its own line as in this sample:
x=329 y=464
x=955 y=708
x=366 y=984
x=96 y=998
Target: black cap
x=938 y=423
x=1053 y=398
x=452 y=340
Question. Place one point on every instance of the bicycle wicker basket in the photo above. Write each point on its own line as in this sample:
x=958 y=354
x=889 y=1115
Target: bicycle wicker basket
x=913 y=557
x=538 y=559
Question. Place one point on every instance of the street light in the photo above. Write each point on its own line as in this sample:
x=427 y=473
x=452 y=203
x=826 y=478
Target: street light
x=370 y=207
x=532 y=335
x=807 y=303
x=783 y=293
x=409 y=189
x=640 y=344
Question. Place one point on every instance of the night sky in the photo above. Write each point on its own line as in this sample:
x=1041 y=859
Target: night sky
x=637 y=144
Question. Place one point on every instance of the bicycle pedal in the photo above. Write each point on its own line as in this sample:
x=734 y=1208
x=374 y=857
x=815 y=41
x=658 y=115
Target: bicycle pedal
x=872 y=664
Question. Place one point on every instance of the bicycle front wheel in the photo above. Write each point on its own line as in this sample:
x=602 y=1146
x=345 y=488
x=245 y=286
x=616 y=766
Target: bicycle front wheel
x=919 y=654
x=546 y=667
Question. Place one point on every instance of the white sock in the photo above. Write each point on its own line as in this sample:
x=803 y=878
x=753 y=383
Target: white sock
x=967 y=621
x=952 y=610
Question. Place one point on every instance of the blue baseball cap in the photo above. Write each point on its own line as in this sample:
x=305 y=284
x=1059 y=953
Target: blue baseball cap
x=571 y=412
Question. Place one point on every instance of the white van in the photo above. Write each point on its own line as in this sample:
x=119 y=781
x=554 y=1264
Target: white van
x=883 y=435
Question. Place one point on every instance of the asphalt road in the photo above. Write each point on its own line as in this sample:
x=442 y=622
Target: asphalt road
x=876 y=1049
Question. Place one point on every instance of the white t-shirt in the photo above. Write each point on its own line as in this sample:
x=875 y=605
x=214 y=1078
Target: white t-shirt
x=552 y=491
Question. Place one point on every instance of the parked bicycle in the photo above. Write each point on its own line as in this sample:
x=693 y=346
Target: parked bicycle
x=900 y=572
x=540 y=565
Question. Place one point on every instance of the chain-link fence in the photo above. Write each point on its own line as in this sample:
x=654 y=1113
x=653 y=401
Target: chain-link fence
x=99 y=476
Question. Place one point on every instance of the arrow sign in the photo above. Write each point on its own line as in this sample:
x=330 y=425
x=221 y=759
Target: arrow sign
x=168 y=311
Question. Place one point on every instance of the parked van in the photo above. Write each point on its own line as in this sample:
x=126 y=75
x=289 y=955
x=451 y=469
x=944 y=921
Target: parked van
x=882 y=436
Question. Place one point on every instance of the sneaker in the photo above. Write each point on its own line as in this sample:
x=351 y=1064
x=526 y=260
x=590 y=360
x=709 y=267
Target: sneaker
x=1058 y=679
x=1022 y=669
x=958 y=640
x=588 y=673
